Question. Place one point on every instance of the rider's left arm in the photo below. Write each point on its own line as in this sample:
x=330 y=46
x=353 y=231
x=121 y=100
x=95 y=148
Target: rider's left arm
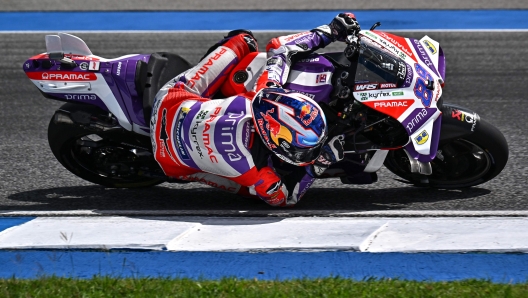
x=283 y=49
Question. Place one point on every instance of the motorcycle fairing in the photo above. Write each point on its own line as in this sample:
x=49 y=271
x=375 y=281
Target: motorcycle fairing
x=386 y=59
x=106 y=83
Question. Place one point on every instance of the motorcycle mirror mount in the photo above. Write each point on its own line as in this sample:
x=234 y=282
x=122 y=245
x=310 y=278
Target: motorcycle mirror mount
x=377 y=24
x=430 y=85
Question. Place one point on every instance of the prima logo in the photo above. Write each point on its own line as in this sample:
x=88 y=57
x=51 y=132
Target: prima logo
x=119 y=68
x=409 y=75
x=80 y=96
x=229 y=136
x=416 y=120
x=310 y=60
x=423 y=54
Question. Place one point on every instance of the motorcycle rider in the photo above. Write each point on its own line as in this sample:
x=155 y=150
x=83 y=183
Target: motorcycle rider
x=196 y=138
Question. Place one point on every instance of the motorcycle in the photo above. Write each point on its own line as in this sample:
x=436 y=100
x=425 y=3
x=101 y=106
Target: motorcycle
x=383 y=92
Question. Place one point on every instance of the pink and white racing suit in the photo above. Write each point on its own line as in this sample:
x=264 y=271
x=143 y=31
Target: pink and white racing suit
x=195 y=138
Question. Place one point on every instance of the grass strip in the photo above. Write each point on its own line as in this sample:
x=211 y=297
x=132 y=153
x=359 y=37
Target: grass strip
x=231 y=287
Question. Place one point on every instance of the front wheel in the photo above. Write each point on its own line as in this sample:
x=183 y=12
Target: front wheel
x=112 y=158
x=463 y=162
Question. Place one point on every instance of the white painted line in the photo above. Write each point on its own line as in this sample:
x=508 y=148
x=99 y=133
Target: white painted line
x=272 y=213
x=291 y=234
x=365 y=245
x=452 y=235
x=93 y=233
x=377 y=234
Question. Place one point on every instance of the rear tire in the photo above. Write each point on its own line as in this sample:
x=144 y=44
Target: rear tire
x=110 y=162
x=464 y=162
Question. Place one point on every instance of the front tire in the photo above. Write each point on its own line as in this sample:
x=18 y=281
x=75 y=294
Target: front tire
x=114 y=158
x=463 y=162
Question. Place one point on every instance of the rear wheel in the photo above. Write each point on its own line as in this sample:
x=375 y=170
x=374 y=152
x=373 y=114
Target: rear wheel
x=468 y=161
x=112 y=158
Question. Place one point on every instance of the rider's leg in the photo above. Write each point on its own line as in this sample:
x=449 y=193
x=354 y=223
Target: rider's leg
x=169 y=104
x=211 y=72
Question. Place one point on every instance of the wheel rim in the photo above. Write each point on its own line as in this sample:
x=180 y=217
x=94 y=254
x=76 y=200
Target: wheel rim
x=106 y=159
x=459 y=162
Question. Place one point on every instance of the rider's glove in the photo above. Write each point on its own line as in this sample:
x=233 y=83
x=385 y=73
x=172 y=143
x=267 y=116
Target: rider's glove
x=331 y=153
x=270 y=188
x=273 y=84
x=344 y=24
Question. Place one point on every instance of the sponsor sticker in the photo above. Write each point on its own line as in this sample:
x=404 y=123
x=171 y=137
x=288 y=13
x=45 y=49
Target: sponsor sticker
x=87 y=97
x=430 y=46
x=393 y=108
x=62 y=76
x=422 y=138
x=387 y=85
x=94 y=65
x=378 y=94
x=310 y=60
x=363 y=96
x=363 y=87
x=417 y=119
x=465 y=117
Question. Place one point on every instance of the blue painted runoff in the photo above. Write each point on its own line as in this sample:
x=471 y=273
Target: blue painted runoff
x=499 y=268
x=8 y=222
x=260 y=20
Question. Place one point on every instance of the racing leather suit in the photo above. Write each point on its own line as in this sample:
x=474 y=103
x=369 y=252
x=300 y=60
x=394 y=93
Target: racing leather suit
x=195 y=138
x=285 y=49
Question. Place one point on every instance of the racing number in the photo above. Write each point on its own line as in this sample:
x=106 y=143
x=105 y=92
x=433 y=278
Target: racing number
x=420 y=88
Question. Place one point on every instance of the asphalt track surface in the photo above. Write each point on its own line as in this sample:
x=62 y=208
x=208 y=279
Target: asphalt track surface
x=163 y=5
x=485 y=71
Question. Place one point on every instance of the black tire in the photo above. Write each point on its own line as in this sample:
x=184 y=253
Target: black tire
x=66 y=143
x=468 y=161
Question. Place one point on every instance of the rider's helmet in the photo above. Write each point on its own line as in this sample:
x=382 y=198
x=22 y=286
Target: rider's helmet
x=291 y=124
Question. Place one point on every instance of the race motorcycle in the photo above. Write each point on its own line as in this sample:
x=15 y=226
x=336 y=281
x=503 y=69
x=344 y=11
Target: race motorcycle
x=383 y=92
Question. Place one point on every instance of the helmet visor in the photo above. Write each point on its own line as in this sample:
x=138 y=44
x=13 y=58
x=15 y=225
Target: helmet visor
x=300 y=156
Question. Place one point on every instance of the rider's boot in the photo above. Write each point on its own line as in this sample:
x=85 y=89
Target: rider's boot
x=250 y=40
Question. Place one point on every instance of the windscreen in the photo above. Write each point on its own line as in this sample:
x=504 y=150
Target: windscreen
x=376 y=64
